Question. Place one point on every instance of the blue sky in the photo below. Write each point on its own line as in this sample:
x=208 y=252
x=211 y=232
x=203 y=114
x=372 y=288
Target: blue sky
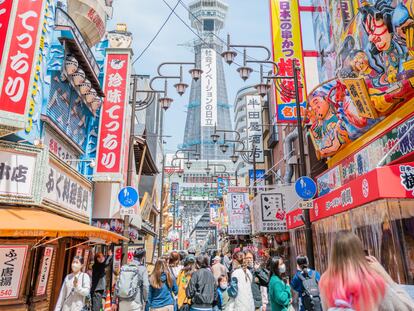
x=247 y=22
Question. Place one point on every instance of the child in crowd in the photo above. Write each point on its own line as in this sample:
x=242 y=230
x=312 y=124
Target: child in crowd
x=223 y=303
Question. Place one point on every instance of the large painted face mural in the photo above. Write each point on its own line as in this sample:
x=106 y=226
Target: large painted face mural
x=374 y=74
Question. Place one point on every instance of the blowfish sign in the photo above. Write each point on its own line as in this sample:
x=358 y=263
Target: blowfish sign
x=287 y=49
x=19 y=40
x=113 y=111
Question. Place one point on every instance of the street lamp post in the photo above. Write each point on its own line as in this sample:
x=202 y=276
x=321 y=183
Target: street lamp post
x=165 y=103
x=245 y=71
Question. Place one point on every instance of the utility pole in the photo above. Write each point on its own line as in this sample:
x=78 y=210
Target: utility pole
x=254 y=171
x=174 y=215
x=131 y=161
x=161 y=231
x=302 y=169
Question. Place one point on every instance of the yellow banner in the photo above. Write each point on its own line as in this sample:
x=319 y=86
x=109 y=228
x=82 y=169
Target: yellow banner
x=287 y=48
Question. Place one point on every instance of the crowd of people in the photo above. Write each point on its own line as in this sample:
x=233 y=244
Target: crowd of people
x=237 y=282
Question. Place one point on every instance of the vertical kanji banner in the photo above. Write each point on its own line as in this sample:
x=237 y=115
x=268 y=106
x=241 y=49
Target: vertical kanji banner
x=287 y=48
x=112 y=122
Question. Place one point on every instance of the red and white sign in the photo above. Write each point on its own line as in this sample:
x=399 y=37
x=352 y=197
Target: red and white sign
x=5 y=12
x=367 y=188
x=20 y=56
x=12 y=260
x=294 y=219
x=44 y=271
x=112 y=122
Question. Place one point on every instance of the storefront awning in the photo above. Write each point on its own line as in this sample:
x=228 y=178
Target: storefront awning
x=15 y=222
x=141 y=150
x=387 y=182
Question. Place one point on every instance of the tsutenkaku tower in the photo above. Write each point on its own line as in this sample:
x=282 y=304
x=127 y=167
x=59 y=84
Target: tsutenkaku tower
x=208 y=104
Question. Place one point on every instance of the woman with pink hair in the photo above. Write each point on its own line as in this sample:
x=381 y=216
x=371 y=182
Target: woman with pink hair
x=357 y=282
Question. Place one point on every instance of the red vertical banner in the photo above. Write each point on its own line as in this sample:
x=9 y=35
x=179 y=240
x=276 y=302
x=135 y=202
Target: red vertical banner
x=19 y=55
x=112 y=123
x=5 y=12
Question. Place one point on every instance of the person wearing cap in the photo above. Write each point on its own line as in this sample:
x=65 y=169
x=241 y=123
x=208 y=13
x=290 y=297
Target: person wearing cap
x=184 y=278
x=217 y=268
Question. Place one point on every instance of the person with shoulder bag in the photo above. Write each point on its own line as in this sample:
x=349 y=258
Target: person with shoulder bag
x=183 y=279
x=162 y=289
x=74 y=294
x=357 y=282
x=131 y=289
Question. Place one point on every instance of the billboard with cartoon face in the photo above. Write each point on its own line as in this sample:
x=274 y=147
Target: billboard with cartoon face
x=374 y=72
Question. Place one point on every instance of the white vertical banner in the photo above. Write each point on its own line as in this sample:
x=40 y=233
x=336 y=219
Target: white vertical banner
x=238 y=211
x=255 y=127
x=208 y=88
x=12 y=260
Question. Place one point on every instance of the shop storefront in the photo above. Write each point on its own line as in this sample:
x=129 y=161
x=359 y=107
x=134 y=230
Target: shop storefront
x=45 y=207
x=378 y=207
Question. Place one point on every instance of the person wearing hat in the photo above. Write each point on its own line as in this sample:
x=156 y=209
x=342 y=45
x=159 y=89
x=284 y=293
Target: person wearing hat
x=183 y=279
x=217 y=268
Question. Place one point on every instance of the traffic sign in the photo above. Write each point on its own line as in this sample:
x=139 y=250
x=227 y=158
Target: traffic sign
x=305 y=187
x=306 y=204
x=128 y=196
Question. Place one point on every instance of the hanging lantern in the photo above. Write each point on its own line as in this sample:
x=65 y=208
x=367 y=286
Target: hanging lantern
x=71 y=65
x=90 y=96
x=96 y=103
x=85 y=87
x=78 y=77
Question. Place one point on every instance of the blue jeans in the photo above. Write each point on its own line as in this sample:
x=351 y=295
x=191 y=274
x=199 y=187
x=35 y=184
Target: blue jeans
x=204 y=309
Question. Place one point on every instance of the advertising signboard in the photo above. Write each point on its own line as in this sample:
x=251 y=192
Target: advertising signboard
x=12 y=260
x=269 y=209
x=287 y=49
x=18 y=57
x=254 y=122
x=112 y=122
x=208 y=88
x=238 y=211
x=44 y=271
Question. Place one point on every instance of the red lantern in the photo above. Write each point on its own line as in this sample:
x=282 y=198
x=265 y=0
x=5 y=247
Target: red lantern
x=285 y=237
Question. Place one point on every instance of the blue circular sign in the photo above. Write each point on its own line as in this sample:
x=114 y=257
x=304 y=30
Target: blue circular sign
x=305 y=187
x=128 y=196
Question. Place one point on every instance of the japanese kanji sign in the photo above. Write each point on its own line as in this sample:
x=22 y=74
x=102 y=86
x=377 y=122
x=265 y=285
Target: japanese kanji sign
x=238 y=211
x=12 y=260
x=270 y=208
x=5 y=12
x=16 y=173
x=67 y=192
x=360 y=96
x=19 y=54
x=208 y=88
x=287 y=49
x=112 y=122
x=254 y=127
x=44 y=271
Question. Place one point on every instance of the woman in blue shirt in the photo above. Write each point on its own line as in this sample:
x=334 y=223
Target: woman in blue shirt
x=162 y=288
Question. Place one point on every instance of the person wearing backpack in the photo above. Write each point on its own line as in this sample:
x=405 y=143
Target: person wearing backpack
x=162 y=288
x=131 y=290
x=305 y=283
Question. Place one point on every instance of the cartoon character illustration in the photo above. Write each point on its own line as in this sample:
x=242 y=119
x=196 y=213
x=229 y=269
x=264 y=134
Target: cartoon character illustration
x=328 y=131
x=385 y=50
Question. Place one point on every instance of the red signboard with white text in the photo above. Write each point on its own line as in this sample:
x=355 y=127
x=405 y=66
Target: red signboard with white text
x=5 y=12
x=395 y=181
x=388 y=182
x=19 y=55
x=112 y=122
x=294 y=219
